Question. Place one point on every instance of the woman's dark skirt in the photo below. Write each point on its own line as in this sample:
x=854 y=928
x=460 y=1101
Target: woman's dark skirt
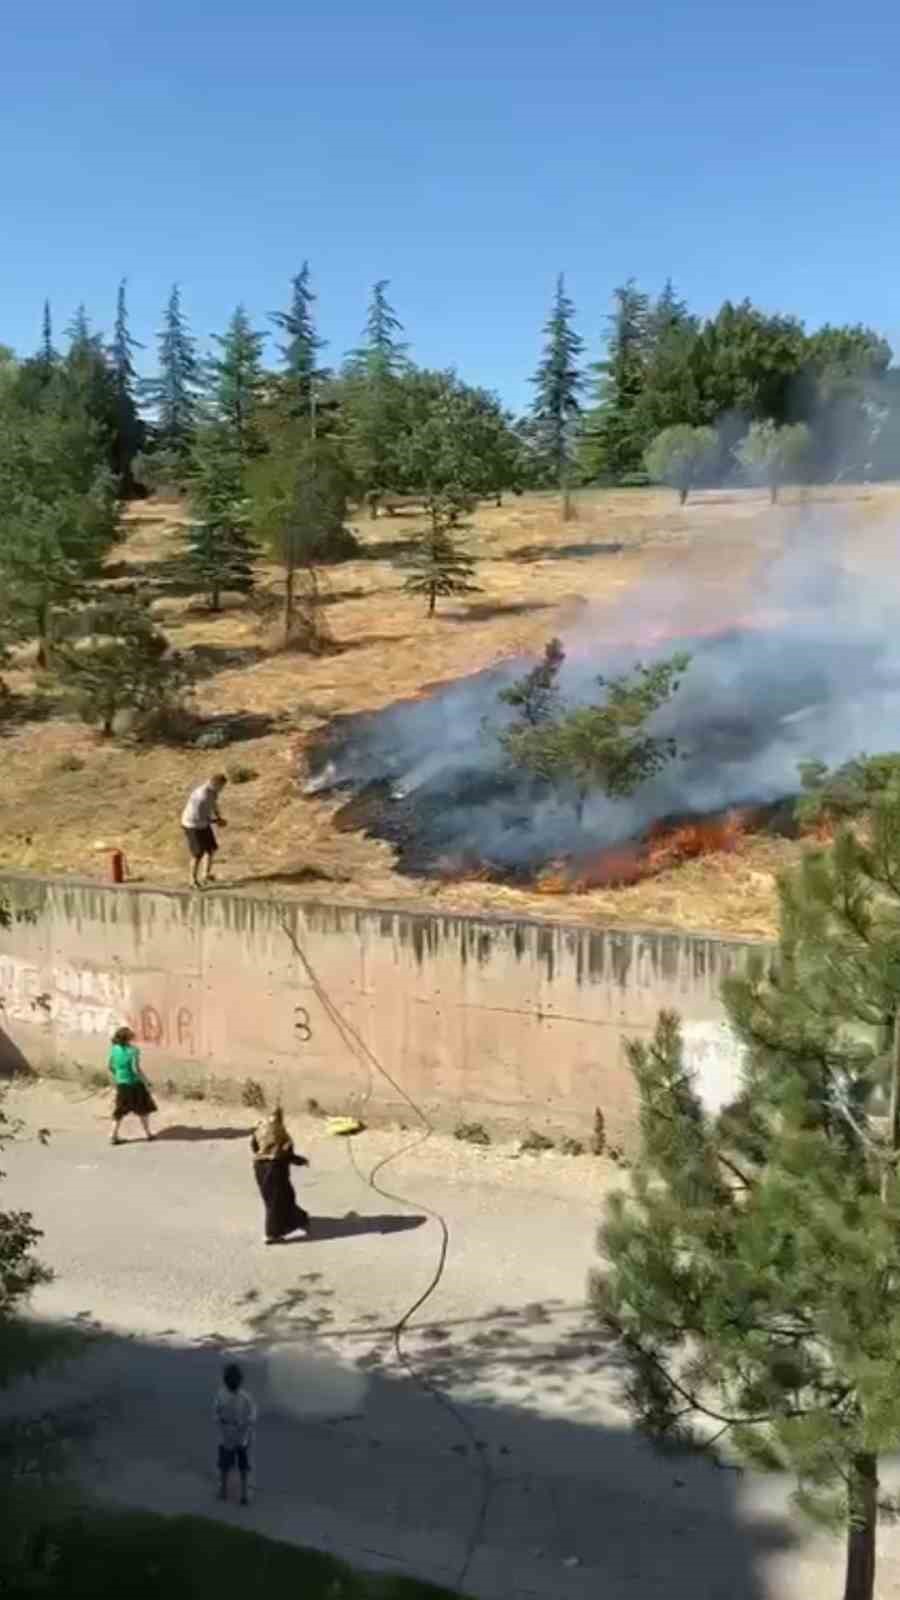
x=133 y=1100
x=283 y=1215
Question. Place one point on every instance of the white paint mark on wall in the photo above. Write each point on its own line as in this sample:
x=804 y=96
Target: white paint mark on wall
x=76 y=1000
x=715 y=1055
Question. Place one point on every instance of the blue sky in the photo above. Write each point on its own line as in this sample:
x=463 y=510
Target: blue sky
x=466 y=151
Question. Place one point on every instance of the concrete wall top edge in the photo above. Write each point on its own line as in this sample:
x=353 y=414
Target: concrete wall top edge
x=331 y=914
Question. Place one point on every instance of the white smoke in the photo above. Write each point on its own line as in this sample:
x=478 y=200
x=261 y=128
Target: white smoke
x=808 y=668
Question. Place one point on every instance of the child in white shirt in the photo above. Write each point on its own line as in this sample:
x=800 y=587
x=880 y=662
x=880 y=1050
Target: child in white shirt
x=235 y=1414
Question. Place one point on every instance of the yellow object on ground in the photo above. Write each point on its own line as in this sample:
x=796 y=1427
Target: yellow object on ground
x=344 y=1126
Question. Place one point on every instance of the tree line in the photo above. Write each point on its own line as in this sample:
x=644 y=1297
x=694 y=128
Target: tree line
x=268 y=461
x=270 y=456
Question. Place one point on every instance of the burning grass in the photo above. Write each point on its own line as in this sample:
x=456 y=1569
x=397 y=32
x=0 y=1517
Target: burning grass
x=663 y=848
x=66 y=798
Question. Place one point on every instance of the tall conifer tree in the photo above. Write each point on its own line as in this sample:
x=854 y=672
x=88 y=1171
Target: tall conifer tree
x=235 y=379
x=301 y=348
x=373 y=399
x=558 y=383
x=173 y=393
x=129 y=430
x=754 y=1270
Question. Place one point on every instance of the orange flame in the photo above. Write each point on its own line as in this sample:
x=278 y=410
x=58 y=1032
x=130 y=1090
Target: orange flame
x=663 y=847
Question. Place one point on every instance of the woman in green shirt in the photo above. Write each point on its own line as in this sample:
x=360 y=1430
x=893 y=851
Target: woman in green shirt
x=133 y=1097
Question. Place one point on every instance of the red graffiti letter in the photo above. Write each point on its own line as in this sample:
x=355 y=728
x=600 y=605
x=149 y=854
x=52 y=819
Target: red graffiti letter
x=151 y=1025
x=184 y=1027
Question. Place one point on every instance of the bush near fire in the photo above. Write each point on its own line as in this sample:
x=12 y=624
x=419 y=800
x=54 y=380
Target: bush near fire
x=754 y=1269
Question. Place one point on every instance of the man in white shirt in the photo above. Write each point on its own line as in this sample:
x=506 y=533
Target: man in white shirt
x=197 y=819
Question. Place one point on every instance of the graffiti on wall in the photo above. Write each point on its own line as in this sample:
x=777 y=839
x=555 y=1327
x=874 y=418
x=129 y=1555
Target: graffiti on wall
x=93 y=1003
x=77 y=1000
x=171 y=1030
x=713 y=1052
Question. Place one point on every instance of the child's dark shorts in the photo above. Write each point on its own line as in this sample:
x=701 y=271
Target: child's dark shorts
x=238 y=1457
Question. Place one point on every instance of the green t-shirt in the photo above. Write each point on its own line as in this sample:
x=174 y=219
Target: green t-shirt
x=124 y=1063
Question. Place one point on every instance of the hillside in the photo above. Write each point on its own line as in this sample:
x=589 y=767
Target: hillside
x=68 y=798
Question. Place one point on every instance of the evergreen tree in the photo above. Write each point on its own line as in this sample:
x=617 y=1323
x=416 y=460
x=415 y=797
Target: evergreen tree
x=669 y=396
x=58 y=512
x=615 y=440
x=301 y=350
x=173 y=393
x=219 y=551
x=382 y=353
x=668 y=313
x=372 y=398
x=746 y=365
x=47 y=353
x=124 y=664
x=439 y=566
x=755 y=1268
x=236 y=378
x=82 y=342
x=129 y=430
x=602 y=746
x=558 y=382
x=299 y=505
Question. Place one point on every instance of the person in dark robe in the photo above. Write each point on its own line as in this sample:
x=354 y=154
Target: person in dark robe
x=273 y=1157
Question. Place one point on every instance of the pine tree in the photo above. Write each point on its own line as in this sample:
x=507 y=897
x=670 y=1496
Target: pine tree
x=382 y=353
x=235 y=379
x=48 y=355
x=81 y=340
x=83 y=384
x=125 y=663
x=58 y=513
x=668 y=313
x=219 y=551
x=603 y=746
x=616 y=436
x=438 y=566
x=558 y=382
x=173 y=393
x=301 y=350
x=299 y=500
x=373 y=402
x=129 y=430
x=754 y=1270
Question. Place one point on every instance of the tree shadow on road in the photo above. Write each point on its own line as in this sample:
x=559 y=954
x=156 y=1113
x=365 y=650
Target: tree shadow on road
x=567 y=1505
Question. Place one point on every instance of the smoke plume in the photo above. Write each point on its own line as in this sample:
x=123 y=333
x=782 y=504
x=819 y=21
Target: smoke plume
x=806 y=667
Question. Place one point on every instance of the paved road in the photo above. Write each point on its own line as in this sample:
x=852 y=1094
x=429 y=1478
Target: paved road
x=160 y=1245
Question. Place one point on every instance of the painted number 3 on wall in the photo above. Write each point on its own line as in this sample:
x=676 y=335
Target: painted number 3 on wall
x=301 y=1024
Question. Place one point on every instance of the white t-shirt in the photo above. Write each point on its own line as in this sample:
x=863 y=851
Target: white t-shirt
x=202 y=807
x=236 y=1415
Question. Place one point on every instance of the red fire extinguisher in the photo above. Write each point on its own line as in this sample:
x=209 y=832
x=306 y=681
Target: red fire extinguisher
x=117 y=862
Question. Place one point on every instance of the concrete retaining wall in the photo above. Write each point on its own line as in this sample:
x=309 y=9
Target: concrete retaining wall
x=514 y=1024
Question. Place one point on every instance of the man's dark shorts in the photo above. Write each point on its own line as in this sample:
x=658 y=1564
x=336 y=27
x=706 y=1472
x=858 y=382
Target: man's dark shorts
x=201 y=842
x=238 y=1457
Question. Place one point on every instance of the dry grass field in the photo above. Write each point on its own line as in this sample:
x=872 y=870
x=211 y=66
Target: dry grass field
x=68 y=797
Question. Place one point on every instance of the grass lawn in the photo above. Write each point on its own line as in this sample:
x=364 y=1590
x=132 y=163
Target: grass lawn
x=95 y=1554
